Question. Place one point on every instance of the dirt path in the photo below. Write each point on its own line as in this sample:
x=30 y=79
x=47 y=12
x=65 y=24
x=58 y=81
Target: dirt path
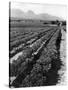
x=62 y=71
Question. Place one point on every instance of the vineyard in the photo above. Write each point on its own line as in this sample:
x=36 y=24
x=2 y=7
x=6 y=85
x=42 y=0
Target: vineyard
x=34 y=55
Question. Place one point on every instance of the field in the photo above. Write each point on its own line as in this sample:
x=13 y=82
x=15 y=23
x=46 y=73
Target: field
x=34 y=53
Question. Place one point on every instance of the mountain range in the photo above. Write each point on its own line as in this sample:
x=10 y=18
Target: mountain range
x=17 y=13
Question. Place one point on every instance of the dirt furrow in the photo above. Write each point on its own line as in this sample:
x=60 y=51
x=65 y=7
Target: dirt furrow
x=30 y=64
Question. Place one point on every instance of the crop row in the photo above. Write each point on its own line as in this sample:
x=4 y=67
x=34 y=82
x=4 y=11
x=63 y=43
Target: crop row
x=12 y=44
x=29 y=69
x=17 y=32
x=27 y=41
x=45 y=71
x=27 y=53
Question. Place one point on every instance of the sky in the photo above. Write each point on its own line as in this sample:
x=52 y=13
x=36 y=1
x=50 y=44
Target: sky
x=55 y=10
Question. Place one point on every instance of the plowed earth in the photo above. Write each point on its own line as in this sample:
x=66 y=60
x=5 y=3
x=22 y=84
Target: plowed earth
x=35 y=58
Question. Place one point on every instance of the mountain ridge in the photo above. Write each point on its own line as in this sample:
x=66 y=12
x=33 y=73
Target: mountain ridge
x=17 y=13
